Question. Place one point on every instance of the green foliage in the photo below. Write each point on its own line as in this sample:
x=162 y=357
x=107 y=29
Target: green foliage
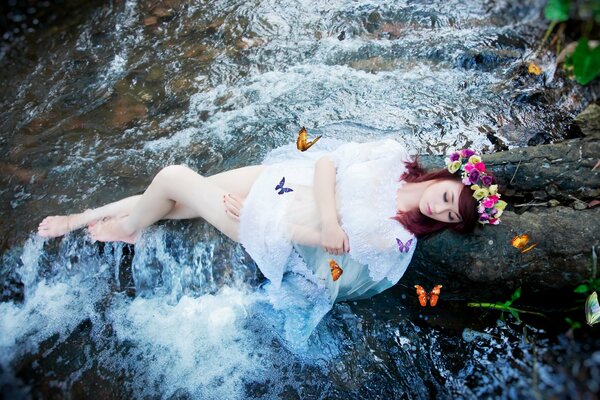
x=573 y=324
x=585 y=62
x=506 y=306
x=557 y=10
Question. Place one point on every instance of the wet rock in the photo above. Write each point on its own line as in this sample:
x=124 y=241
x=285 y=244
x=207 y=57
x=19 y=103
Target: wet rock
x=391 y=31
x=127 y=110
x=152 y=20
x=373 y=22
x=155 y=73
x=579 y=205
x=373 y=64
x=553 y=203
x=589 y=121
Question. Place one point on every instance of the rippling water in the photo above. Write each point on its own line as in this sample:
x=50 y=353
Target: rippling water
x=100 y=100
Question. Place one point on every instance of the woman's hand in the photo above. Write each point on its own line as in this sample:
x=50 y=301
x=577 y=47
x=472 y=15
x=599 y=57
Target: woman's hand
x=334 y=240
x=233 y=205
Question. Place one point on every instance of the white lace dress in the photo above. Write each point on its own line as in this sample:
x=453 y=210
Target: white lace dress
x=273 y=226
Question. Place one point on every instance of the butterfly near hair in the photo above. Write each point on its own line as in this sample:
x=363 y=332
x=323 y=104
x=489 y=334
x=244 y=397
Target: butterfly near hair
x=336 y=270
x=282 y=189
x=432 y=296
x=302 y=143
x=403 y=247
x=520 y=241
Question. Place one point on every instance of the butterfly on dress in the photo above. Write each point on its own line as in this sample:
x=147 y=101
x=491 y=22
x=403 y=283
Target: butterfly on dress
x=520 y=241
x=302 y=143
x=336 y=270
x=431 y=296
x=282 y=189
x=402 y=246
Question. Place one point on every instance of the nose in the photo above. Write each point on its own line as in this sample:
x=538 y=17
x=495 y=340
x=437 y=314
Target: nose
x=440 y=208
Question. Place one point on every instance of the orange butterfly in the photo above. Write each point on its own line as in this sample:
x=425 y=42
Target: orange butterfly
x=520 y=241
x=301 y=143
x=336 y=270
x=432 y=296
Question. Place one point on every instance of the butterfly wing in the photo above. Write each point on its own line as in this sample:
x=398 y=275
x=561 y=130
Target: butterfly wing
x=422 y=295
x=520 y=241
x=309 y=144
x=280 y=184
x=400 y=245
x=592 y=309
x=434 y=295
x=407 y=245
x=336 y=270
x=528 y=248
x=286 y=190
x=301 y=140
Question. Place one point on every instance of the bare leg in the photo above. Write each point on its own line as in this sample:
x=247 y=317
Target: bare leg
x=238 y=181
x=196 y=196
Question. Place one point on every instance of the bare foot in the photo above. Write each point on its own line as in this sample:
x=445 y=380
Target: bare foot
x=59 y=225
x=111 y=230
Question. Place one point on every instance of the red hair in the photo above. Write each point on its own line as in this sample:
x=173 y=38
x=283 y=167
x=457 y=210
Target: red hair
x=421 y=225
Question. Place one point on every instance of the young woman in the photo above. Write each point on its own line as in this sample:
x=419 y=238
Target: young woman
x=360 y=205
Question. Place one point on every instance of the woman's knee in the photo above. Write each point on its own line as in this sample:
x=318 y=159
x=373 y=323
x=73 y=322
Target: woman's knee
x=172 y=172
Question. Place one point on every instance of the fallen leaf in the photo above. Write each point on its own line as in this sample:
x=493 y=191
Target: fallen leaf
x=534 y=69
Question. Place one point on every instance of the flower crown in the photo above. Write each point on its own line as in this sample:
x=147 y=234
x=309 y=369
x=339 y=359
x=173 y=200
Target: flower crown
x=490 y=206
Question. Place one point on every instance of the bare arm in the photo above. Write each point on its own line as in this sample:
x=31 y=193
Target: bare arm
x=333 y=238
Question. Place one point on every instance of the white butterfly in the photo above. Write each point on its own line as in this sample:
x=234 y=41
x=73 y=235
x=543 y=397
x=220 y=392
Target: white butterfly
x=592 y=309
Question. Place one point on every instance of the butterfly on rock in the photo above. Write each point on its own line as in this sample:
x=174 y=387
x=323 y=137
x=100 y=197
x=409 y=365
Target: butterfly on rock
x=281 y=189
x=431 y=296
x=336 y=270
x=302 y=143
x=403 y=247
x=592 y=309
x=520 y=241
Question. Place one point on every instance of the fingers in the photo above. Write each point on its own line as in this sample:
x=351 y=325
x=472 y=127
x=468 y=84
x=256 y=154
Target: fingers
x=232 y=206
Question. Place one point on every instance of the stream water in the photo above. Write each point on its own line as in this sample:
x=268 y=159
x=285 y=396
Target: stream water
x=97 y=98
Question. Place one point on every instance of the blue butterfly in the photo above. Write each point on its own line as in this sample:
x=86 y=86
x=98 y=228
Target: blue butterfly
x=404 y=247
x=282 y=189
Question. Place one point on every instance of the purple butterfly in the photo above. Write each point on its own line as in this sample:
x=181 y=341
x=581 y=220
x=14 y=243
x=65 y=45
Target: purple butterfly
x=403 y=247
x=282 y=189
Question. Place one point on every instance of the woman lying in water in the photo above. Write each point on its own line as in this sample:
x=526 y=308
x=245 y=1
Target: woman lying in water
x=360 y=205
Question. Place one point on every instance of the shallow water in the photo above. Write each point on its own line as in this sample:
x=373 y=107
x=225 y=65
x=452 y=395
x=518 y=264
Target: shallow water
x=101 y=99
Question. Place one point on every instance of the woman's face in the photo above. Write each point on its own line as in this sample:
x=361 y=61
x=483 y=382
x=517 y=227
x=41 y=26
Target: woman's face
x=440 y=201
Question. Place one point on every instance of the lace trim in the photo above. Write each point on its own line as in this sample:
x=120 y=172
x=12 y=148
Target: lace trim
x=365 y=213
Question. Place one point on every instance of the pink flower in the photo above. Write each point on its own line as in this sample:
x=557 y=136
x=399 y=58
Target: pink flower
x=469 y=167
x=466 y=180
x=494 y=221
x=480 y=166
x=488 y=203
x=494 y=198
x=481 y=209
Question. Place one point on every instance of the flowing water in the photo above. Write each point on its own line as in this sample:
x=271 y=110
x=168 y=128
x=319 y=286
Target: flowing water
x=104 y=94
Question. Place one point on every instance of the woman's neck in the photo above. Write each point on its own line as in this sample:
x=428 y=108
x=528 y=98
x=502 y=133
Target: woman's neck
x=409 y=195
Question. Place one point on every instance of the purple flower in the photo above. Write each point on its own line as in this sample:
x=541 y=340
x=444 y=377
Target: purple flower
x=454 y=156
x=474 y=176
x=481 y=209
x=484 y=217
x=494 y=211
x=467 y=153
x=487 y=180
x=466 y=181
